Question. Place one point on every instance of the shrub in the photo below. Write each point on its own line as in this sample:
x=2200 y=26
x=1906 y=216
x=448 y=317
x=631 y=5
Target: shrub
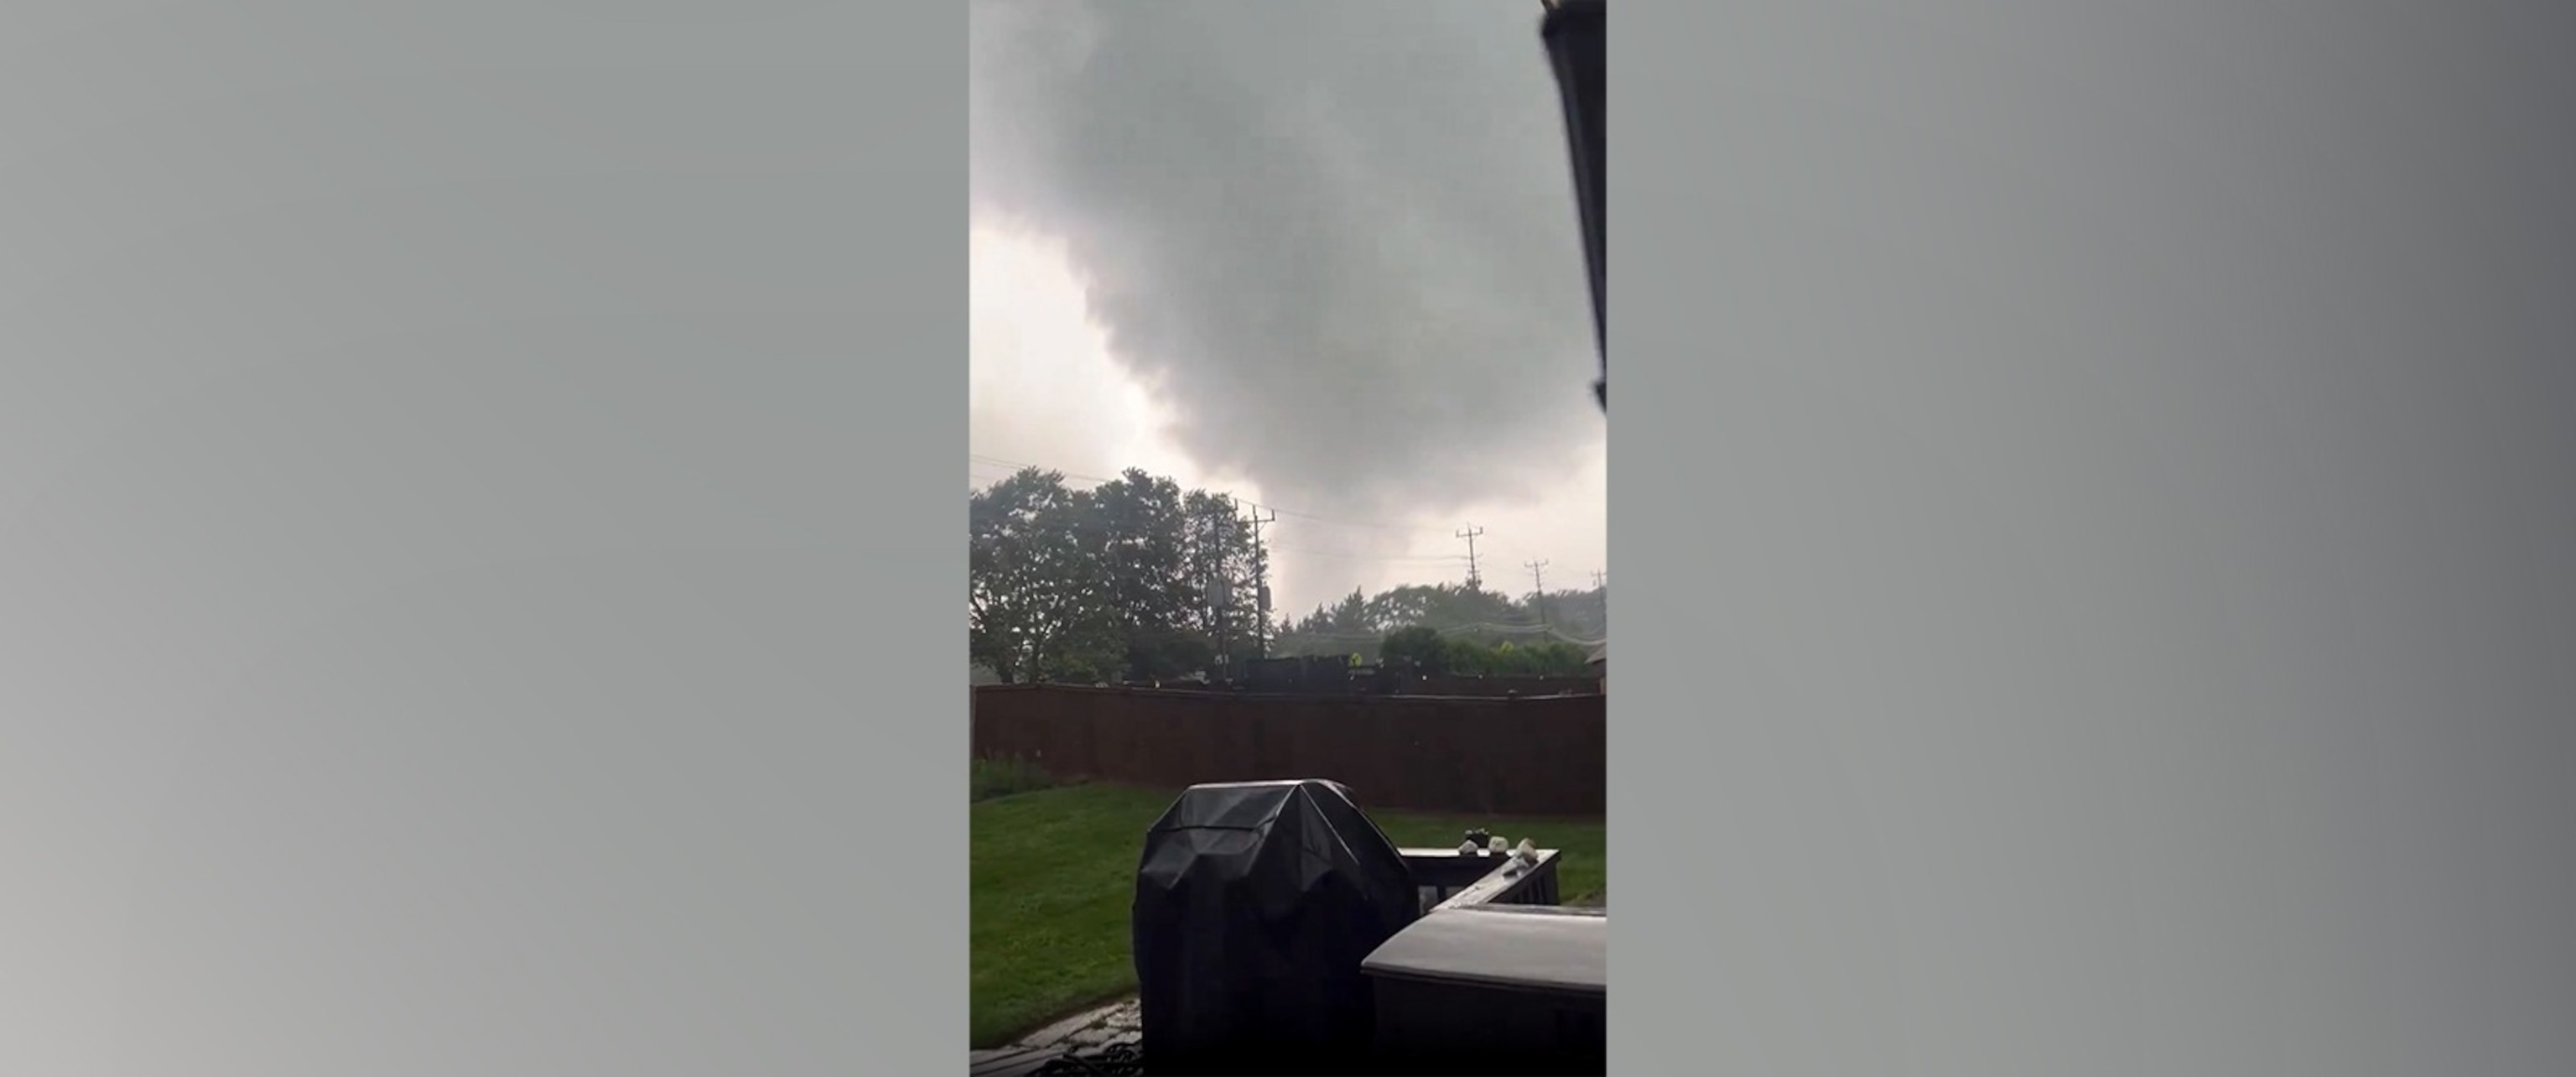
x=1003 y=777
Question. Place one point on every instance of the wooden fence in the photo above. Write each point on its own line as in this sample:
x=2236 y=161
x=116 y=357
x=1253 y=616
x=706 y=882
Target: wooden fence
x=1450 y=684
x=1417 y=684
x=1536 y=756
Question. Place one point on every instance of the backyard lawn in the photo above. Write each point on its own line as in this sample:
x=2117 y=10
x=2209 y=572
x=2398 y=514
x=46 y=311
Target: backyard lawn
x=1053 y=871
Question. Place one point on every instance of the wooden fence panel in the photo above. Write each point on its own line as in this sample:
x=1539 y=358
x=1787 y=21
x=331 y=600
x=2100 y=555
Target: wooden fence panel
x=1539 y=756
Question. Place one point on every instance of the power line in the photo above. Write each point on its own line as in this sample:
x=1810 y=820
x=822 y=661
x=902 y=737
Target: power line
x=1314 y=519
x=1522 y=630
x=1374 y=558
x=1015 y=466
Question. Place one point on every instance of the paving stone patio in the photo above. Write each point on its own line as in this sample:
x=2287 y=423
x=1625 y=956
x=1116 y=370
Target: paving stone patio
x=1115 y=1024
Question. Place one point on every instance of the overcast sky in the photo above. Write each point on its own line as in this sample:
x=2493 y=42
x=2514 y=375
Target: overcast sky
x=1321 y=255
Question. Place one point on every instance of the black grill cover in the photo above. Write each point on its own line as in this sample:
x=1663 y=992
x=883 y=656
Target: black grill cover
x=1255 y=904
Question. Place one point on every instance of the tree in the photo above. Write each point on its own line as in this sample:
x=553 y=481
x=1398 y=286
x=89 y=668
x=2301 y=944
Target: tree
x=1448 y=607
x=1216 y=558
x=1419 y=646
x=1139 y=578
x=1039 y=606
x=1141 y=542
x=1351 y=615
x=1551 y=658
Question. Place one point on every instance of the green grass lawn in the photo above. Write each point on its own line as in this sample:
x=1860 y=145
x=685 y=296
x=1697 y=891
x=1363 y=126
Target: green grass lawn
x=1053 y=872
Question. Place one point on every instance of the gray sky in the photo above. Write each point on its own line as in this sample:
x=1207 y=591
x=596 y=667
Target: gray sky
x=1323 y=255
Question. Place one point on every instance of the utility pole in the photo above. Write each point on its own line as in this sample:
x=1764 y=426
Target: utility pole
x=1600 y=579
x=1219 y=592
x=1538 y=584
x=1261 y=585
x=1473 y=581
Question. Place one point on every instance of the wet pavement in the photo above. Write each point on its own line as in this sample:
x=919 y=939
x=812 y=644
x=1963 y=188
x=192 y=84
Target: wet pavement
x=1120 y=1023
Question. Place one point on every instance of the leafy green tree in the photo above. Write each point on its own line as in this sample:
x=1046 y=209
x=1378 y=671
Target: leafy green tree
x=1140 y=538
x=1217 y=564
x=1039 y=606
x=1550 y=658
x=1419 y=646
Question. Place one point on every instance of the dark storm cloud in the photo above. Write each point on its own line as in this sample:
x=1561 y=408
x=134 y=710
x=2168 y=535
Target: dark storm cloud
x=1339 y=238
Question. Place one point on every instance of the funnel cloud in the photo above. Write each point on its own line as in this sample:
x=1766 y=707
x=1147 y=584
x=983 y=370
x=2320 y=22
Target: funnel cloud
x=1337 y=240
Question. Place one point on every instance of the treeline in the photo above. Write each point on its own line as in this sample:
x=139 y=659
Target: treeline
x=1426 y=650
x=1138 y=579
x=1453 y=628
